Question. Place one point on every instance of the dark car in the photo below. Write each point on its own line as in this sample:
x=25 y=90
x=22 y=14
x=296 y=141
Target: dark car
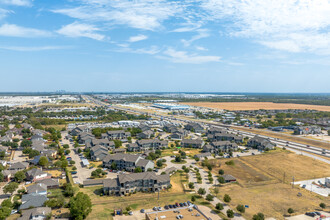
x=177 y=204
x=170 y=206
x=318 y=213
x=181 y=204
x=312 y=214
x=166 y=207
x=142 y=210
x=185 y=204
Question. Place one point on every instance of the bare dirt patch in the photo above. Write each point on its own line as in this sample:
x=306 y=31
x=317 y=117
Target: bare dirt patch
x=236 y=106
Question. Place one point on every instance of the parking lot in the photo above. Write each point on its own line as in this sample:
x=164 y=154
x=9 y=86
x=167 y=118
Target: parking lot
x=315 y=185
x=83 y=173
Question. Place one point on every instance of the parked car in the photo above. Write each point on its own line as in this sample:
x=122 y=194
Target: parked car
x=130 y=213
x=74 y=172
x=311 y=214
x=166 y=207
x=142 y=210
x=154 y=208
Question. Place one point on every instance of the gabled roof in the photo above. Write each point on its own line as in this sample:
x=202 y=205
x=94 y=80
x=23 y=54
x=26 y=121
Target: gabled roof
x=36 y=188
x=27 y=214
x=191 y=141
x=49 y=182
x=18 y=165
x=35 y=172
x=125 y=157
x=32 y=200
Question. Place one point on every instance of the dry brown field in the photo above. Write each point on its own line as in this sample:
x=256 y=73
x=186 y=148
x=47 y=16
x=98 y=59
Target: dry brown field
x=236 y=106
x=264 y=183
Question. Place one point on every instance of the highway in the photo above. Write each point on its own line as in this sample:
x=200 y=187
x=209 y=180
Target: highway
x=296 y=147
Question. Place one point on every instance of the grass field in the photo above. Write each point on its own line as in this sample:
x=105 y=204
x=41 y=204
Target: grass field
x=264 y=183
x=235 y=106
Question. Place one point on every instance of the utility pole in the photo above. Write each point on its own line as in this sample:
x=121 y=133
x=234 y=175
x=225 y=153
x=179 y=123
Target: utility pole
x=292 y=182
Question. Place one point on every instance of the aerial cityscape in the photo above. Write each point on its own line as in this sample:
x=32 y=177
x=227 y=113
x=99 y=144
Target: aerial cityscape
x=165 y=109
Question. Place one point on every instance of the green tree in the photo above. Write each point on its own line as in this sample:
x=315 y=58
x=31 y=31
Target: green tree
x=4 y=213
x=290 y=210
x=118 y=143
x=138 y=170
x=322 y=205
x=219 y=206
x=11 y=187
x=216 y=191
x=193 y=199
x=221 y=180
x=26 y=143
x=7 y=203
x=191 y=185
x=159 y=163
x=19 y=176
x=68 y=190
x=80 y=206
x=43 y=161
x=221 y=172
x=259 y=216
x=33 y=153
x=209 y=197
x=1 y=177
x=178 y=159
x=240 y=208
x=230 y=213
x=64 y=164
x=114 y=166
x=226 y=198
x=201 y=191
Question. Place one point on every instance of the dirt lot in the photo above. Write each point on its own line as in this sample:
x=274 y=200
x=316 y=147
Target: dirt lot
x=260 y=183
x=256 y=105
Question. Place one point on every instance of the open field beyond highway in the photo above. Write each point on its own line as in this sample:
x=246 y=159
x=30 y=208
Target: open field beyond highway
x=236 y=106
x=264 y=183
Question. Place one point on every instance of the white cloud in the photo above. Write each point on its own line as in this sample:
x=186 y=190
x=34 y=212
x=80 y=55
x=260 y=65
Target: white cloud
x=17 y=2
x=12 y=30
x=31 y=49
x=151 y=50
x=202 y=33
x=81 y=30
x=291 y=25
x=137 y=38
x=200 y=48
x=183 y=57
x=142 y=14
x=3 y=13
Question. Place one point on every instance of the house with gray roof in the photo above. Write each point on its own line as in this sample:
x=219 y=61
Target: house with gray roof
x=224 y=146
x=32 y=200
x=149 y=144
x=39 y=213
x=19 y=166
x=260 y=143
x=194 y=127
x=192 y=143
x=127 y=162
x=38 y=188
x=37 y=174
x=50 y=183
x=99 y=152
x=145 y=134
x=118 y=135
x=130 y=183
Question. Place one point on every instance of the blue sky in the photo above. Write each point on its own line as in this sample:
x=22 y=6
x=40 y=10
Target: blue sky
x=165 y=45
